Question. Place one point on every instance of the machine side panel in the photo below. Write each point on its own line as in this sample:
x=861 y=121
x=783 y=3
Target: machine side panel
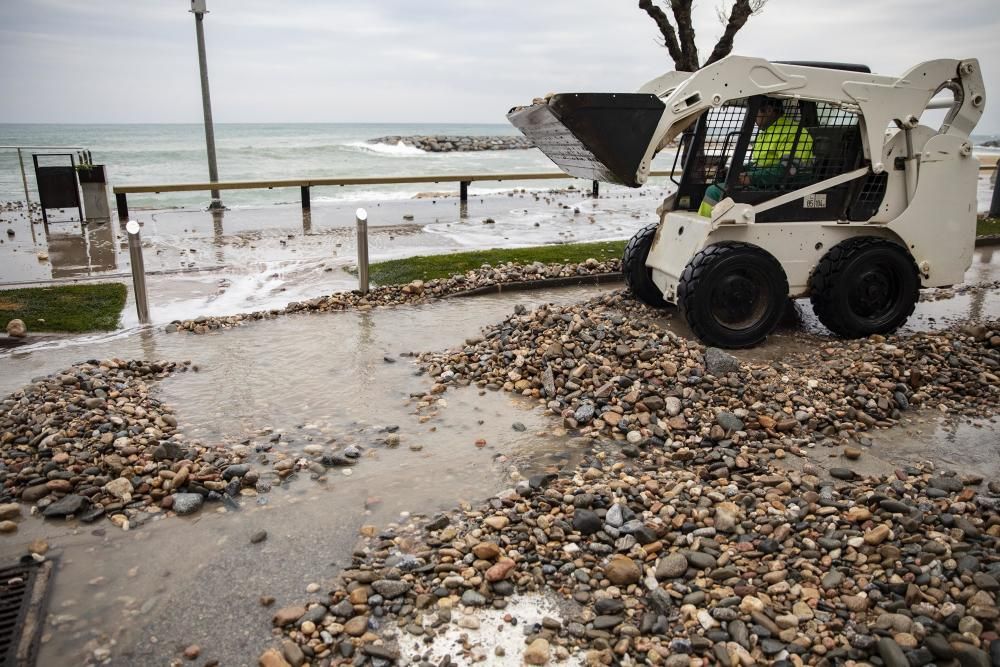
x=939 y=225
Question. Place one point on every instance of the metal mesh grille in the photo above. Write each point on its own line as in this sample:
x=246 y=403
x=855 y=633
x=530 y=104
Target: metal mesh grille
x=17 y=595
x=722 y=130
x=866 y=203
x=806 y=143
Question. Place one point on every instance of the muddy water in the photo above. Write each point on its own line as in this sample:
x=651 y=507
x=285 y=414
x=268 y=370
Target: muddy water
x=320 y=379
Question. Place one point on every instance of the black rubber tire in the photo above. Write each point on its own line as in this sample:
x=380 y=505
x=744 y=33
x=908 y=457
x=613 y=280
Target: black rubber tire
x=886 y=273
x=638 y=277
x=723 y=280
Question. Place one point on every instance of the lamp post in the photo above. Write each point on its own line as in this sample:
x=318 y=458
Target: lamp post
x=199 y=10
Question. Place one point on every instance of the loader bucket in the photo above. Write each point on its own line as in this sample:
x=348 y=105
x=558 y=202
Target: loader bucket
x=597 y=136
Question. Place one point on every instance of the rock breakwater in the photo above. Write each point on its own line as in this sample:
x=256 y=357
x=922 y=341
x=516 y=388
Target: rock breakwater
x=439 y=143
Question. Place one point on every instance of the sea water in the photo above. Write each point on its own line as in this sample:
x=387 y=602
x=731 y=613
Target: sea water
x=146 y=154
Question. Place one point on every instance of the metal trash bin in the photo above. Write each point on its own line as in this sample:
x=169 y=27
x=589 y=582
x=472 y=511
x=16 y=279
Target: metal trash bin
x=57 y=185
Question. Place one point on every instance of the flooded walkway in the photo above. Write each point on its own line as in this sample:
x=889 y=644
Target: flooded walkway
x=325 y=380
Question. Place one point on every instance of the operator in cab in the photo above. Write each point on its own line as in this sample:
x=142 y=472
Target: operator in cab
x=779 y=150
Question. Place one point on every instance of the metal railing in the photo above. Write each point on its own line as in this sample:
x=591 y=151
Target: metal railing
x=304 y=184
x=987 y=163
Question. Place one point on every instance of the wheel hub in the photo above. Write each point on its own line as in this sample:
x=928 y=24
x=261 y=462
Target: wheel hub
x=737 y=300
x=873 y=293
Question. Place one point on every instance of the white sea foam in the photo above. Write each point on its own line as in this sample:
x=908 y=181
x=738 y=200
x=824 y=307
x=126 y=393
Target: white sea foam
x=397 y=150
x=69 y=341
x=258 y=286
x=347 y=194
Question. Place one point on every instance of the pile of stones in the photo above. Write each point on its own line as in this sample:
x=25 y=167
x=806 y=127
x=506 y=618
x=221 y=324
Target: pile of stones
x=415 y=292
x=606 y=366
x=684 y=539
x=668 y=560
x=93 y=441
x=439 y=143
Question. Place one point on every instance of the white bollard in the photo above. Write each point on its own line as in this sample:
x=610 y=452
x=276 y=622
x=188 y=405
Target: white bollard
x=362 y=219
x=138 y=271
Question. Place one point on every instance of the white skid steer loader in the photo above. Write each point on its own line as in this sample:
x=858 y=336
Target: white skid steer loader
x=798 y=179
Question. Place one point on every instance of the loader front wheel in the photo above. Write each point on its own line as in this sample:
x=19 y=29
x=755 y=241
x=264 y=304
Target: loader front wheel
x=864 y=286
x=638 y=277
x=732 y=294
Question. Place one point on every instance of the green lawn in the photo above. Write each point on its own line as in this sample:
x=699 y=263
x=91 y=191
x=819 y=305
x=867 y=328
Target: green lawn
x=987 y=226
x=428 y=267
x=65 y=308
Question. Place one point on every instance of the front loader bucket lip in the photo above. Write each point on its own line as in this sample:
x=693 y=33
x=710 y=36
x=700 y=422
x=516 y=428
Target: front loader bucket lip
x=597 y=136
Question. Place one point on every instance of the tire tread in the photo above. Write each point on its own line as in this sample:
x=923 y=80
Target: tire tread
x=634 y=262
x=693 y=274
x=828 y=274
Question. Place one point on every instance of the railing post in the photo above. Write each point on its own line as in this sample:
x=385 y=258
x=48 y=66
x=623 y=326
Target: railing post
x=995 y=202
x=593 y=190
x=362 y=220
x=24 y=180
x=463 y=191
x=305 y=197
x=121 y=200
x=138 y=271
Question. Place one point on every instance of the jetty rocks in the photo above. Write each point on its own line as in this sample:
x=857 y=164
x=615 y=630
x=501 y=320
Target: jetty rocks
x=440 y=143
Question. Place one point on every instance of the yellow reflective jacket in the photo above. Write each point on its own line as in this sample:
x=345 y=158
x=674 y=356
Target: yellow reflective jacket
x=777 y=141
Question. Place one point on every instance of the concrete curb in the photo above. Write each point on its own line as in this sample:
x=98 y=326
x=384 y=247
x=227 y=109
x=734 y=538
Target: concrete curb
x=525 y=285
x=992 y=239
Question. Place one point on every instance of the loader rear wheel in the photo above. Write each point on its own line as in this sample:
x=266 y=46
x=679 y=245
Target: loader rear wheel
x=732 y=294
x=638 y=277
x=864 y=286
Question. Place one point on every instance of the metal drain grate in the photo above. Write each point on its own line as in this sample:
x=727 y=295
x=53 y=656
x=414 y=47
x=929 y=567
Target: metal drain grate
x=23 y=590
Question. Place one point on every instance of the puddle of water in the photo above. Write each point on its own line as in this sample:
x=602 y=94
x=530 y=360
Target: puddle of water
x=964 y=446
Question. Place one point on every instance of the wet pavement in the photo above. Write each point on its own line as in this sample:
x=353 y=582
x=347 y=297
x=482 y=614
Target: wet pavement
x=243 y=259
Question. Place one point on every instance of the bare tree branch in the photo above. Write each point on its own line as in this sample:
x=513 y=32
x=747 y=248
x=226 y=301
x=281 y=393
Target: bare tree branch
x=742 y=10
x=685 y=31
x=666 y=29
x=679 y=37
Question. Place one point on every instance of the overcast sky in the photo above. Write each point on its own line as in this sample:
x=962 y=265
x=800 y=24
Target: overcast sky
x=114 y=61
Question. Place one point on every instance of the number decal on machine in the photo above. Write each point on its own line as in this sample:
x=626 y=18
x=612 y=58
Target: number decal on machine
x=814 y=201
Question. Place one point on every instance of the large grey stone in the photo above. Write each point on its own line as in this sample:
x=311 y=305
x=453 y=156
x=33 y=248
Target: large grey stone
x=719 y=363
x=729 y=421
x=66 y=506
x=586 y=521
x=187 y=503
x=891 y=653
x=672 y=566
x=391 y=588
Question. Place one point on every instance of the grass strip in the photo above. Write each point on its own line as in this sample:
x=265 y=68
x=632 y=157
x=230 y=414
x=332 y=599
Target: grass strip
x=429 y=267
x=987 y=226
x=64 y=308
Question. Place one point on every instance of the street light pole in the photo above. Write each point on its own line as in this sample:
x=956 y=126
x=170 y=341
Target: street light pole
x=199 y=10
